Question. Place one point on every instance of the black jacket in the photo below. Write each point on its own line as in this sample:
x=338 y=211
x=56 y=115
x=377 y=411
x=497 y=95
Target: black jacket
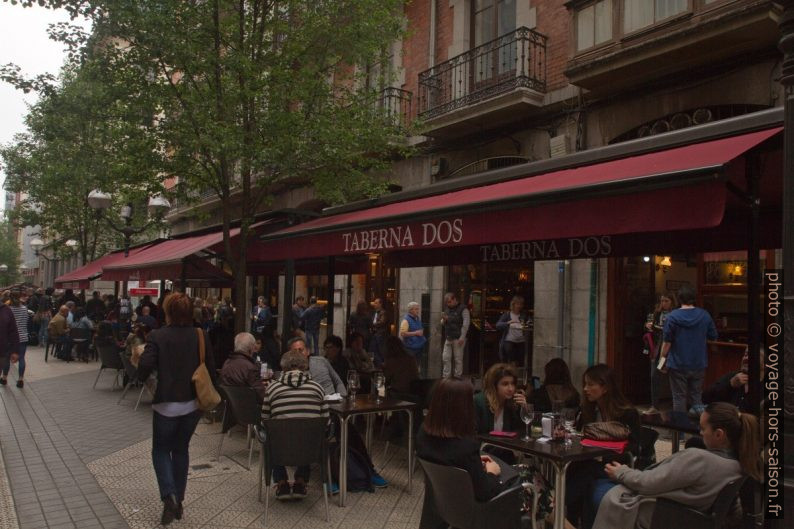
x=460 y=453
x=9 y=334
x=722 y=391
x=173 y=352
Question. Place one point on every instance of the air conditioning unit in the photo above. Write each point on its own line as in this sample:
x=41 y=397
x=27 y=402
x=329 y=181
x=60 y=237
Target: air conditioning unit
x=559 y=145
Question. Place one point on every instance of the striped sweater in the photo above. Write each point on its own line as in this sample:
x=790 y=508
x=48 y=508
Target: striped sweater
x=294 y=396
x=21 y=316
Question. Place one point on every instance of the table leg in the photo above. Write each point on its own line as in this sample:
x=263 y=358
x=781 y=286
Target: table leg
x=343 y=461
x=410 y=448
x=676 y=440
x=370 y=428
x=559 y=494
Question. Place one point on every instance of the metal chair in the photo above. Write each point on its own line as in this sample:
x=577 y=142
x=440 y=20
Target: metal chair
x=646 y=450
x=109 y=359
x=132 y=379
x=450 y=491
x=669 y=513
x=293 y=442
x=242 y=407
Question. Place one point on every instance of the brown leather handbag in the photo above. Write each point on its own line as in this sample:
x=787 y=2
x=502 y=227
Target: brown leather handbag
x=606 y=431
x=206 y=395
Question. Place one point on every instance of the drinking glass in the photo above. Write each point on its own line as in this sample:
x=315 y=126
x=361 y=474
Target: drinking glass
x=352 y=384
x=569 y=419
x=379 y=381
x=527 y=416
x=556 y=406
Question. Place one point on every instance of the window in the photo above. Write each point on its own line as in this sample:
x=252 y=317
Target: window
x=593 y=25
x=638 y=14
x=492 y=19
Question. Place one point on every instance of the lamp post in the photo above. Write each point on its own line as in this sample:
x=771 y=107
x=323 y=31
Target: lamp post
x=37 y=244
x=4 y=272
x=100 y=201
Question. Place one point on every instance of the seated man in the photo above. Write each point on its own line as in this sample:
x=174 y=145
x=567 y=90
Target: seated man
x=322 y=373
x=333 y=353
x=357 y=356
x=58 y=332
x=240 y=369
x=293 y=396
x=732 y=387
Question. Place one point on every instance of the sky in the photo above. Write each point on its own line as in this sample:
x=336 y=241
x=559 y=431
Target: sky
x=24 y=41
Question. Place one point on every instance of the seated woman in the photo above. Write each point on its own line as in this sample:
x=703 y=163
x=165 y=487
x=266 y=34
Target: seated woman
x=692 y=476
x=447 y=437
x=586 y=481
x=557 y=386
x=497 y=406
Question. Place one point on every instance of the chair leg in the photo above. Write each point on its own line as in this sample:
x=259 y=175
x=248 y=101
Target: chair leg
x=261 y=469
x=267 y=504
x=139 y=398
x=250 y=451
x=124 y=393
x=97 y=377
x=325 y=497
x=220 y=445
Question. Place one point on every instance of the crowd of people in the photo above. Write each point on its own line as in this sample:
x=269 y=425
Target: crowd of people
x=161 y=337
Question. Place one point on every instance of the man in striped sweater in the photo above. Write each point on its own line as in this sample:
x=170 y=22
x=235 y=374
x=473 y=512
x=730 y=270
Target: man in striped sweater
x=293 y=396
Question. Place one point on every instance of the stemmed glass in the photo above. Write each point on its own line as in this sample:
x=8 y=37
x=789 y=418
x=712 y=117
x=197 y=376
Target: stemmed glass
x=527 y=416
x=352 y=384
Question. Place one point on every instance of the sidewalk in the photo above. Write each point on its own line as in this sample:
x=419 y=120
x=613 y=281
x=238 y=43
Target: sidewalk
x=74 y=458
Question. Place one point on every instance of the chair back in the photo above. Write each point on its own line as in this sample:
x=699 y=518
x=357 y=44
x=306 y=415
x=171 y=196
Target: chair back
x=725 y=499
x=296 y=442
x=646 y=453
x=109 y=356
x=129 y=369
x=80 y=334
x=243 y=403
x=453 y=494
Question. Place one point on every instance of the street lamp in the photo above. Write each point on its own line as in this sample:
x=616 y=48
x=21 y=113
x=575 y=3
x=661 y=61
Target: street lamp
x=157 y=207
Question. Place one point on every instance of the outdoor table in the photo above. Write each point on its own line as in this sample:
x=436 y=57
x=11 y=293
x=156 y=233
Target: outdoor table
x=676 y=421
x=366 y=405
x=558 y=454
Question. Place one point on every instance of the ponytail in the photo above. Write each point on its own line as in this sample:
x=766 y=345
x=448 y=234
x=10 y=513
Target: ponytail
x=742 y=432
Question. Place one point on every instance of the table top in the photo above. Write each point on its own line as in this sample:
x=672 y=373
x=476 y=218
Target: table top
x=367 y=404
x=554 y=450
x=672 y=420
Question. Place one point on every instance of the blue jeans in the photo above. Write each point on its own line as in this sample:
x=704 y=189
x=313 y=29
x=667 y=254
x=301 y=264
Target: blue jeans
x=170 y=457
x=599 y=489
x=43 y=337
x=313 y=341
x=280 y=473
x=23 y=346
x=655 y=376
x=686 y=384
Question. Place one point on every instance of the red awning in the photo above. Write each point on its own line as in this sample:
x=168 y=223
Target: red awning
x=164 y=260
x=607 y=198
x=82 y=277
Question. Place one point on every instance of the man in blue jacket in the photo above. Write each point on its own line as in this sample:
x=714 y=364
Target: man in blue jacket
x=684 y=347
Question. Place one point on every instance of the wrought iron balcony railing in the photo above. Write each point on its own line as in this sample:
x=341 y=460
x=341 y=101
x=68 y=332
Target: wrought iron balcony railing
x=396 y=103
x=514 y=60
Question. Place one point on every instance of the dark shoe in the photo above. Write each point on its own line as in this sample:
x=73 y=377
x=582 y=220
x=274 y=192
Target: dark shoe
x=169 y=509
x=3 y=381
x=20 y=384
x=179 y=511
x=299 y=490
x=283 y=492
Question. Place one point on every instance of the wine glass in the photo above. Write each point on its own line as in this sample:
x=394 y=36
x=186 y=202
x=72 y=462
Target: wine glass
x=527 y=416
x=352 y=384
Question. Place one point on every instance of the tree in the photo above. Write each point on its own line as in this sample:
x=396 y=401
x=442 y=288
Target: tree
x=80 y=136
x=250 y=96
x=9 y=253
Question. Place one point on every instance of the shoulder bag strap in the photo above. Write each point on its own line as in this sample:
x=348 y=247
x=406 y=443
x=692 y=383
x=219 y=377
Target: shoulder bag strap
x=200 y=344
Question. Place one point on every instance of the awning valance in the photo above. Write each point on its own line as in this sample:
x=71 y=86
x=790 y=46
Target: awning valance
x=614 y=197
x=82 y=277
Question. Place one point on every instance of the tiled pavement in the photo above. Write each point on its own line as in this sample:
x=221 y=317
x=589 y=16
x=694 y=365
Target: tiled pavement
x=74 y=458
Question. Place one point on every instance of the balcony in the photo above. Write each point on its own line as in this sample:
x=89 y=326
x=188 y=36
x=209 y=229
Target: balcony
x=396 y=104
x=493 y=79
x=706 y=34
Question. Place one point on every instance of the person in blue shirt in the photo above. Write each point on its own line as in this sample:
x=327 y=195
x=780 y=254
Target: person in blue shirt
x=684 y=348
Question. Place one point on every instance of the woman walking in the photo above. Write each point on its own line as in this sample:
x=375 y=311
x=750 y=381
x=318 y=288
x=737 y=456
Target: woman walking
x=173 y=351
x=21 y=316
